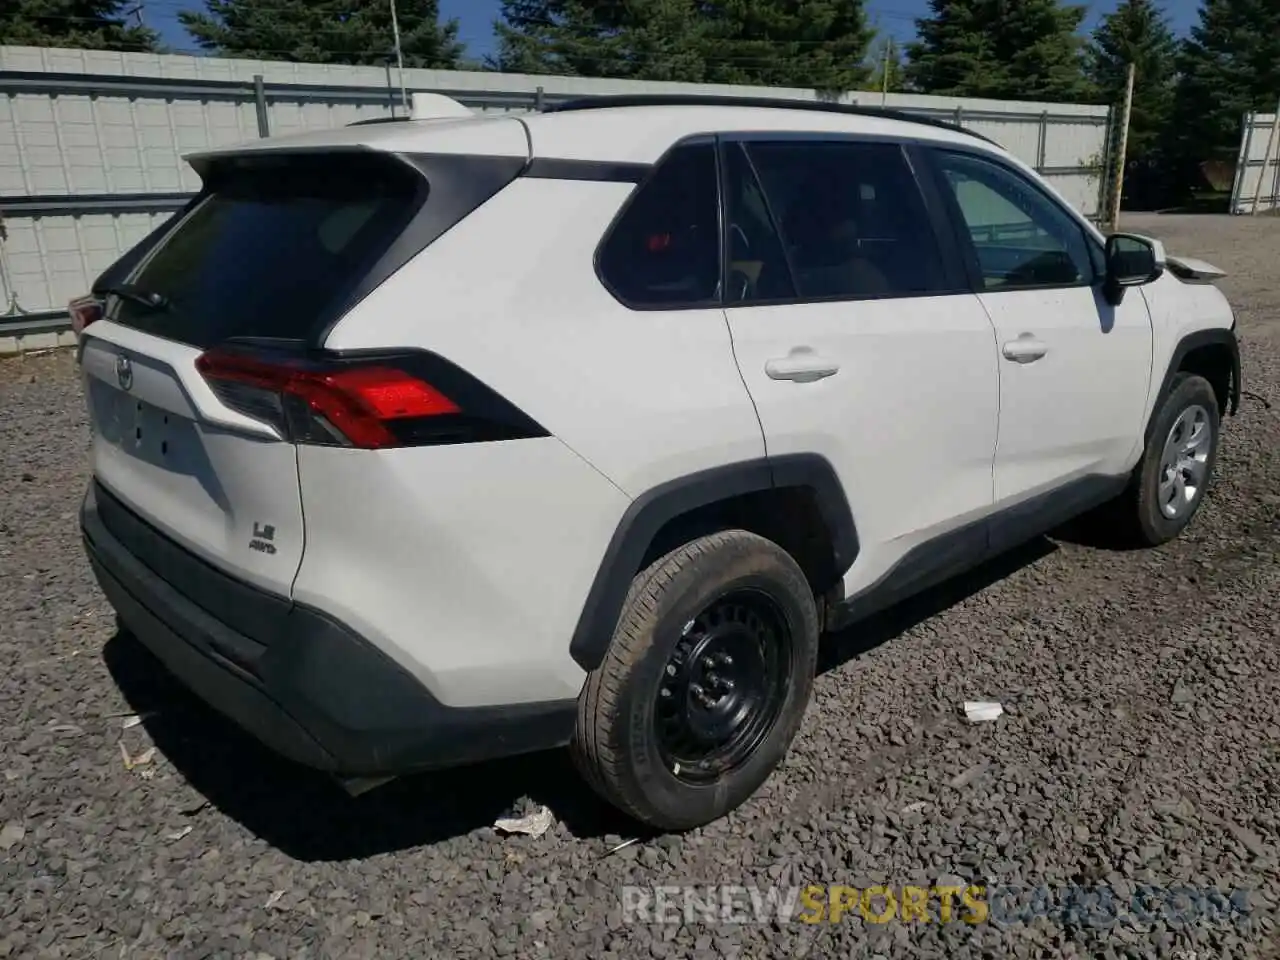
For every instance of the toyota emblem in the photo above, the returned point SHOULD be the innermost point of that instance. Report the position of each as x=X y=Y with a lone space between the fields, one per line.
x=124 y=372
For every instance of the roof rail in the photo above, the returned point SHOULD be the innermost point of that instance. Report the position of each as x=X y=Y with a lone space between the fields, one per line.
x=709 y=100
x=362 y=123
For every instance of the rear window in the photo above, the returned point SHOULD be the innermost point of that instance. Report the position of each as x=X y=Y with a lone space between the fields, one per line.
x=275 y=247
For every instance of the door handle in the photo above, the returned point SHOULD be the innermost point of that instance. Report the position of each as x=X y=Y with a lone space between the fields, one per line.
x=1026 y=349
x=801 y=365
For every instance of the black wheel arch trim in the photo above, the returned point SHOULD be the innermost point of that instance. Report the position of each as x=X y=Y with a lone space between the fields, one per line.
x=1223 y=336
x=652 y=510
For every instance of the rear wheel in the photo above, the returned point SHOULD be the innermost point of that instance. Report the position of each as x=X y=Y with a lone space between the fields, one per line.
x=705 y=682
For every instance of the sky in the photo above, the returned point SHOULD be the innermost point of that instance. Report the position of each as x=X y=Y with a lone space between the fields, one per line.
x=475 y=18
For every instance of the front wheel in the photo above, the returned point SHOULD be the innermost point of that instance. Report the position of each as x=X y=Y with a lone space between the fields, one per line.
x=705 y=682
x=1170 y=480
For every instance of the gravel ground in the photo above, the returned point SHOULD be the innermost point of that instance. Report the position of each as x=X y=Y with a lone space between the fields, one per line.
x=1141 y=744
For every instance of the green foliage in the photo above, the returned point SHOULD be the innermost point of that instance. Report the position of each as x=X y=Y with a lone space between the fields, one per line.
x=1230 y=65
x=83 y=24
x=813 y=44
x=325 y=31
x=1005 y=49
x=642 y=40
x=1136 y=33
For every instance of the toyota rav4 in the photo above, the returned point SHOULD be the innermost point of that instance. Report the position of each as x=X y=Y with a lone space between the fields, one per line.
x=424 y=442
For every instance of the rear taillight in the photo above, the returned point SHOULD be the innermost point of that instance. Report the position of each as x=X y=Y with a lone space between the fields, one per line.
x=408 y=400
x=84 y=311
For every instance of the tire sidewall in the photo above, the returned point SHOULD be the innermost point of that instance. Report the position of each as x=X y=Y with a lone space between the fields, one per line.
x=673 y=801
x=1187 y=392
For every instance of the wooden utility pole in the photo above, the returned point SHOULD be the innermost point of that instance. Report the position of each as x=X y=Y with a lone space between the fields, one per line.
x=1266 y=159
x=1122 y=150
x=884 y=80
x=395 y=34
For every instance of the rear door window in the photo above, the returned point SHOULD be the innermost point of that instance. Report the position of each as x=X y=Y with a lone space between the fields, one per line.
x=852 y=219
x=275 y=245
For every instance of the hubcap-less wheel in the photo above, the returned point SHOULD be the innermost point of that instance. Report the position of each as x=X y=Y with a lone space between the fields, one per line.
x=1184 y=465
x=723 y=687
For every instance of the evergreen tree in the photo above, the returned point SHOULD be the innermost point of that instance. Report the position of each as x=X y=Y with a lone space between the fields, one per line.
x=1006 y=49
x=325 y=31
x=1230 y=64
x=641 y=39
x=87 y=24
x=814 y=44
x=1136 y=32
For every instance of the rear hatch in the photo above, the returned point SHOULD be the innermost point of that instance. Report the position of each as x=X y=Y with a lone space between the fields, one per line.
x=186 y=431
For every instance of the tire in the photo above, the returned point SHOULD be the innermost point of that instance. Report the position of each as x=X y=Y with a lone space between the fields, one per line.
x=730 y=591
x=1142 y=509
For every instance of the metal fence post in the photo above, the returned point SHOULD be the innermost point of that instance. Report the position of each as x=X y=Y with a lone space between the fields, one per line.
x=1043 y=143
x=959 y=116
x=539 y=100
x=1242 y=165
x=260 y=100
x=1275 y=186
x=1266 y=157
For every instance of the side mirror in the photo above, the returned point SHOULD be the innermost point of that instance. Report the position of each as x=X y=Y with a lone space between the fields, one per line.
x=1131 y=261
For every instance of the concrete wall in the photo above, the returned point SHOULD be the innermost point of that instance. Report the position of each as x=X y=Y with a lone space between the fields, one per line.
x=91 y=142
x=1257 y=170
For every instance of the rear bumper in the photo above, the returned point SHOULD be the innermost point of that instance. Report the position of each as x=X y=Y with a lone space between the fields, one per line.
x=302 y=683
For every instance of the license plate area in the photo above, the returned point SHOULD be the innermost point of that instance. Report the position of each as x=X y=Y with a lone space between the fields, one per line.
x=140 y=429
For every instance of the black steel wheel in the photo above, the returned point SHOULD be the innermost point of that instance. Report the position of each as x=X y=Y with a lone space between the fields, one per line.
x=726 y=682
x=705 y=682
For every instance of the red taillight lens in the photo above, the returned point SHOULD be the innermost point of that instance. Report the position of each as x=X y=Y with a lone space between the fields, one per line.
x=358 y=405
x=84 y=311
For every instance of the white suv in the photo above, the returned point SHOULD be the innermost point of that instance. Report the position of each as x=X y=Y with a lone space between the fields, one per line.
x=424 y=442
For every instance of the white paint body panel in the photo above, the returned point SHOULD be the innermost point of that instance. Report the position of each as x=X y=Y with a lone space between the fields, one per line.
x=482 y=136
x=1177 y=310
x=1076 y=410
x=202 y=474
x=468 y=564
x=909 y=422
x=510 y=295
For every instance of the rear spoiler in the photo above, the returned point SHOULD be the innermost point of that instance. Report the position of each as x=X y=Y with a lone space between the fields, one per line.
x=1191 y=270
x=424 y=106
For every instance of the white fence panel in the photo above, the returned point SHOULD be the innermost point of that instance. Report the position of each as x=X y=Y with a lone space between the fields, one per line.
x=51 y=259
x=1257 y=182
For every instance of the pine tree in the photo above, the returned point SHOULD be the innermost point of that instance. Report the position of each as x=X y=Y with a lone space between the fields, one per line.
x=813 y=44
x=1230 y=64
x=325 y=31
x=641 y=39
x=1006 y=49
x=88 y=24
x=1136 y=33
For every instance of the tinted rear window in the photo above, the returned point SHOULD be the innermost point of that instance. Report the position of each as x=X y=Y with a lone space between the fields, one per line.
x=276 y=245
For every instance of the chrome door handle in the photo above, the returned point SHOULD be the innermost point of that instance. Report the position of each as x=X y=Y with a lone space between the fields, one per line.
x=1026 y=349
x=801 y=365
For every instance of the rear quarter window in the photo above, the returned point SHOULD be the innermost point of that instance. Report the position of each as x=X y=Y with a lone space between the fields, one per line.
x=274 y=247
x=663 y=251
